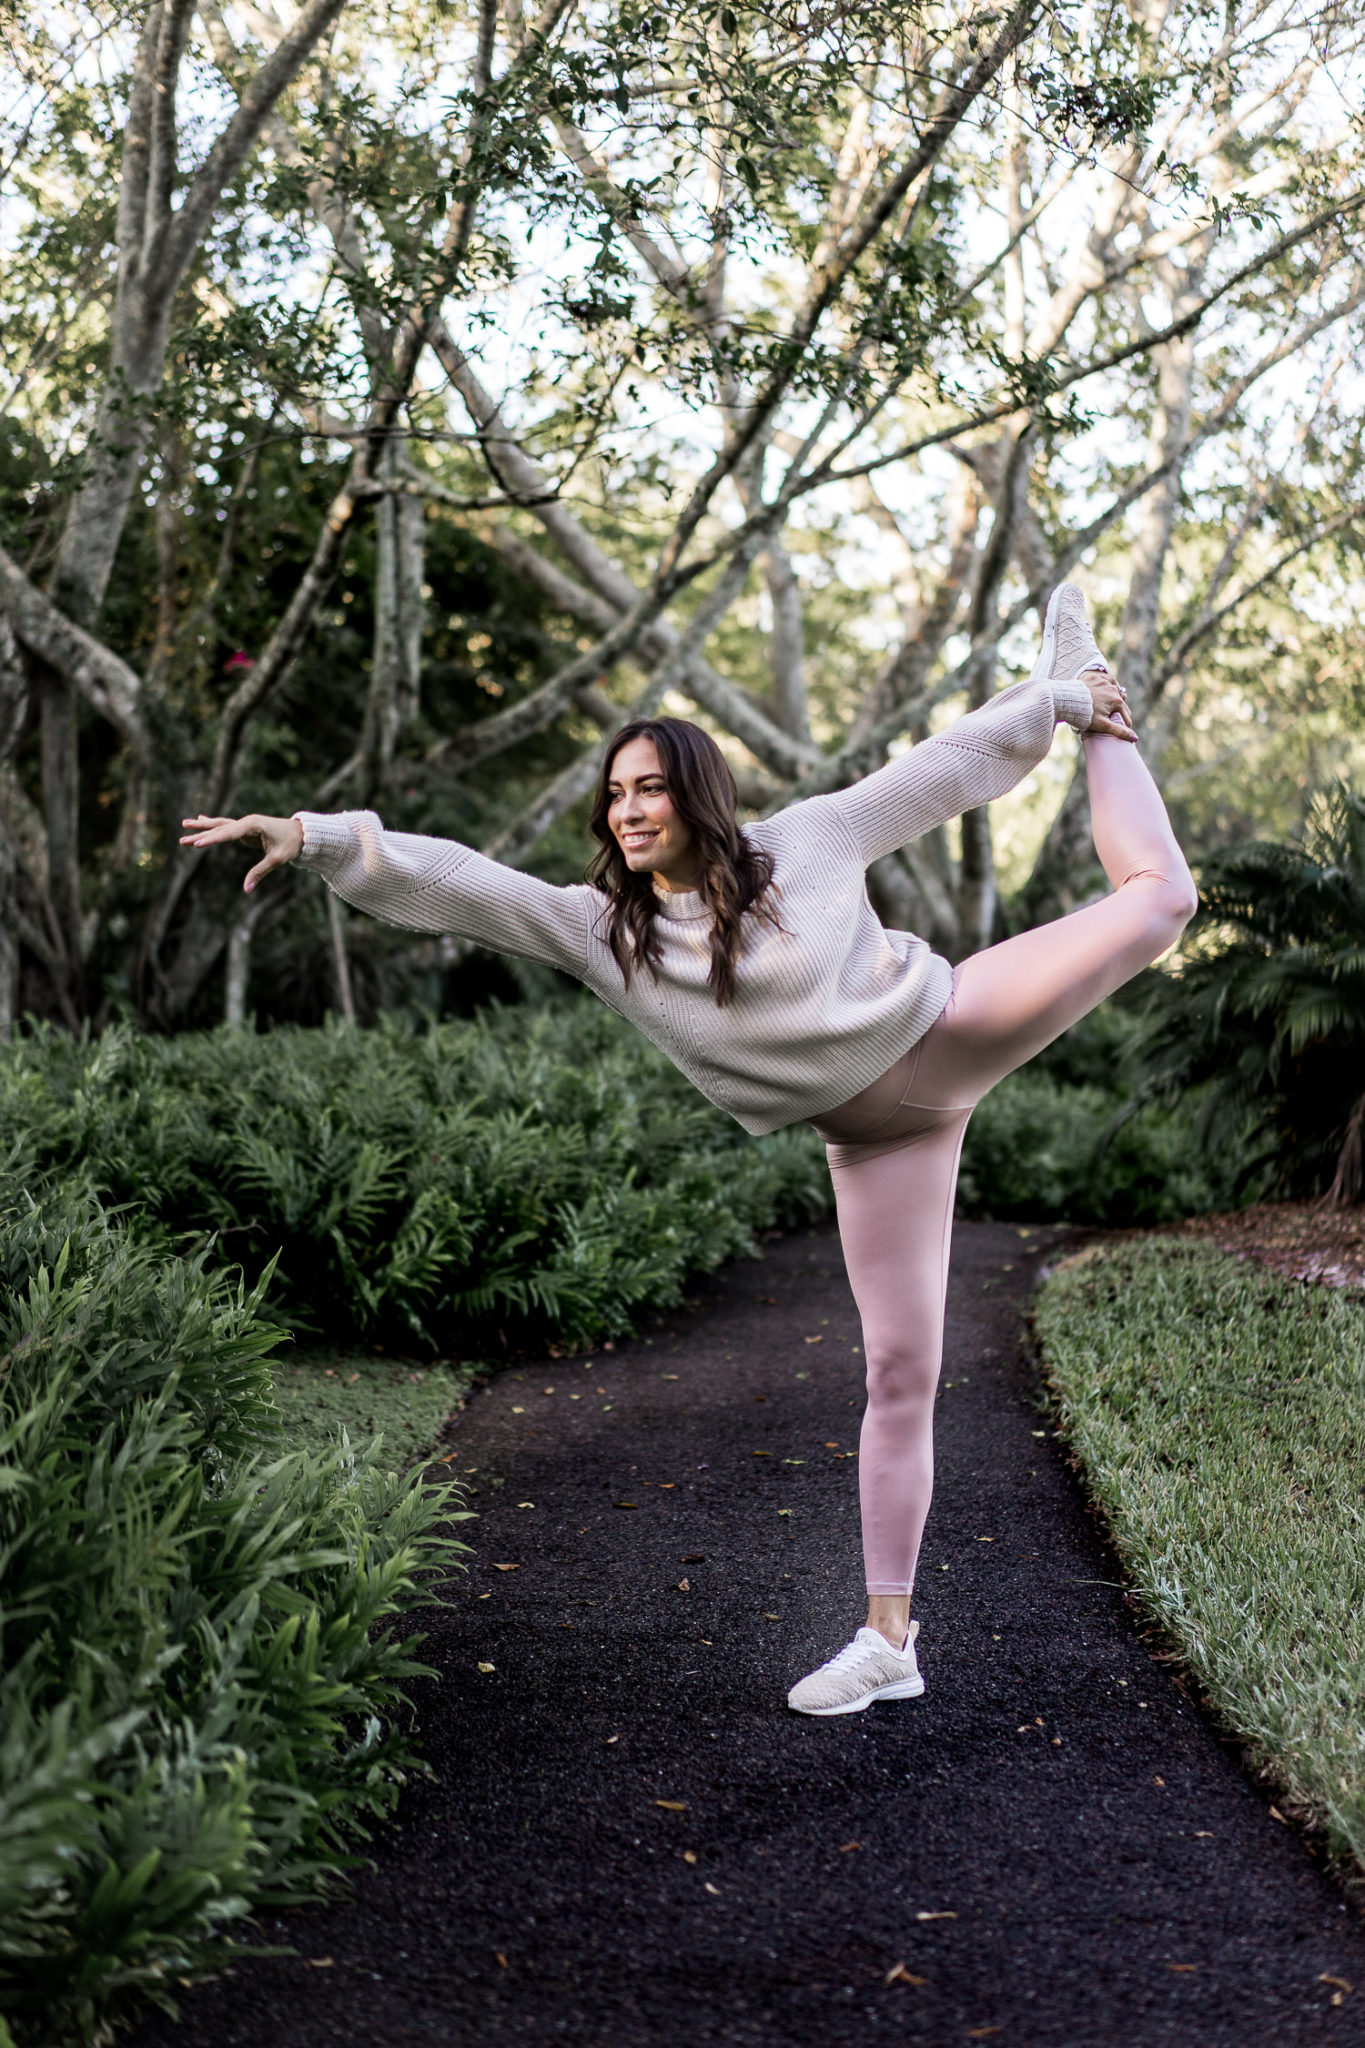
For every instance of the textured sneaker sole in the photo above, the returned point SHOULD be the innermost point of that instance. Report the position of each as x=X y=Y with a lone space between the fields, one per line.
x=904 y=1689
x=1047 y=654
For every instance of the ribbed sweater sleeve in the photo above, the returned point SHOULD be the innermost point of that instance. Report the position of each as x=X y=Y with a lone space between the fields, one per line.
x=438 y=885
x=969 y=763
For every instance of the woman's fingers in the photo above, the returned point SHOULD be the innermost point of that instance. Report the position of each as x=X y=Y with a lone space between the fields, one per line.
x=1112 y=715
x=275 y=856
x=216 y=831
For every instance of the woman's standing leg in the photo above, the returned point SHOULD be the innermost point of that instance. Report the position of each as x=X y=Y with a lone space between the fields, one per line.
x=895 y=1208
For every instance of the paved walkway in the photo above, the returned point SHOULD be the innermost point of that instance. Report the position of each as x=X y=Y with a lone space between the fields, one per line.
x=632 y=1844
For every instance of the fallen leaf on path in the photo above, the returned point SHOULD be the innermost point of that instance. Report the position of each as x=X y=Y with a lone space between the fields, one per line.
x=1203 y=1834
x=900 y=1975
x=609 y=1741
x=980 y=2033
x=793 y=1461
x=1275 y=1814
x=844 y=1847
x=525 y=1503
x=503 y=1963
x=665 y=1485
x=693 y=1557
x=672 y=1805
x=518 y=1411
x=1056 y=1741
x=626 y=1503
x=1183 y=1969
x=1158 y=1781
x=784 y=1511
x=1340 y=1982
x=684 y=1586
x=488 y=1667
x=833 y=1445
x=936 y=1916
x=714 y=1890
x=507 y=1567
x=689 y=1855
x=760 y=1454
x=772 y=1617
x=321 y=1963
x=985 y=1539
x=813 y=1340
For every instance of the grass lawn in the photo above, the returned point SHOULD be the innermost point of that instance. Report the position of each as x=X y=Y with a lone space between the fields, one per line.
x=1219 y=1412
x=401 y=1402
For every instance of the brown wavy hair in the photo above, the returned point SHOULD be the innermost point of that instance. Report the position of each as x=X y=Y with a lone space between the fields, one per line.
x=735 y=876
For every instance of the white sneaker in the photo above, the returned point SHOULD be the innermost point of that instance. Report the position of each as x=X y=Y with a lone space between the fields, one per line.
x=1069 y=647
x=864 y=1670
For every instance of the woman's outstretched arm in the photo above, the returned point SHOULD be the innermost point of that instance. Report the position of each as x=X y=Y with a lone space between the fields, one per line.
x=426 y=885
x=972 y=761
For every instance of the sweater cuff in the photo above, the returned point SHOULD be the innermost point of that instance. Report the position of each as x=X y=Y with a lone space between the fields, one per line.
x=1074 y=703
x=327 y=840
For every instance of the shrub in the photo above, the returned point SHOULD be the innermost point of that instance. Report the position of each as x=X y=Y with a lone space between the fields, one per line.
x=524 y=1175
x=200 y=1691
x=1266 y=1015
x=1040 y=1148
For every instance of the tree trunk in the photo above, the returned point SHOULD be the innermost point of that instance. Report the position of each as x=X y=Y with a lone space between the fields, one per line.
x=396 y=676
x=57 y=703
x=1067 y=871
x=976 y=892
x=238 y=972
x=341 y=966
x=788 y=647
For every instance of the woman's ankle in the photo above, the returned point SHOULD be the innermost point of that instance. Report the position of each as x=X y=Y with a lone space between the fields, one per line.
x=889 y=1614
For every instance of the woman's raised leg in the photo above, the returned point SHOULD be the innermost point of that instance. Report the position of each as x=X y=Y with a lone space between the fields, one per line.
x=1013 y=999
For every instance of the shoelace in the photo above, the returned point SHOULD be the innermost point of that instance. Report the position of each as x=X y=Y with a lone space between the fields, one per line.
x=852 y=1653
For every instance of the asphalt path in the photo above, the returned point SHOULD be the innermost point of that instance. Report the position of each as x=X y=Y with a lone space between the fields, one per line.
x=631 y=1842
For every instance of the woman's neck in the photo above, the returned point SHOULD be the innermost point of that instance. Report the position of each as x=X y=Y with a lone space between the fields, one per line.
x=676 y=881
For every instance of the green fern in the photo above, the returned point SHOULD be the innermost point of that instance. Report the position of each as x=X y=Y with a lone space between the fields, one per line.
x=525 y=1176
x=1266 y=1012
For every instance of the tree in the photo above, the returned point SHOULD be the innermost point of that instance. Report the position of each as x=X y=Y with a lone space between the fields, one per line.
x=670 y=316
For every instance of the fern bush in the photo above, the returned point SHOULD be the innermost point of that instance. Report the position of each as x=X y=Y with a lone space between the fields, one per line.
x=1265 y=1019
x=200 y=1682
x=473 y=1185
x=1041 y=1148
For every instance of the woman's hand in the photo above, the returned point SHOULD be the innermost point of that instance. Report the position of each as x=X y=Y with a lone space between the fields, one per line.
x=282 y=839
x=1110 y=699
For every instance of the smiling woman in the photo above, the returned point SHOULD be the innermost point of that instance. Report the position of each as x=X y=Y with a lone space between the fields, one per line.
x=665 y=817
x=753 y=958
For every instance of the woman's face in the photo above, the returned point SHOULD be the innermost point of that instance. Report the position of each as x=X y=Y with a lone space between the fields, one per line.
x=651 y=835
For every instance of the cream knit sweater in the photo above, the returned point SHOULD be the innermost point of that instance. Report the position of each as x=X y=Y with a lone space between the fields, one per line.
x=823 y=1007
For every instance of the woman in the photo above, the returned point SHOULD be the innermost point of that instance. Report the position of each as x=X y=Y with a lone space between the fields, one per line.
x=754 y=959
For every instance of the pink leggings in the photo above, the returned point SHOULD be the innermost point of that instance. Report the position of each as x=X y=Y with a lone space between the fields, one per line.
x=894 y=1149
